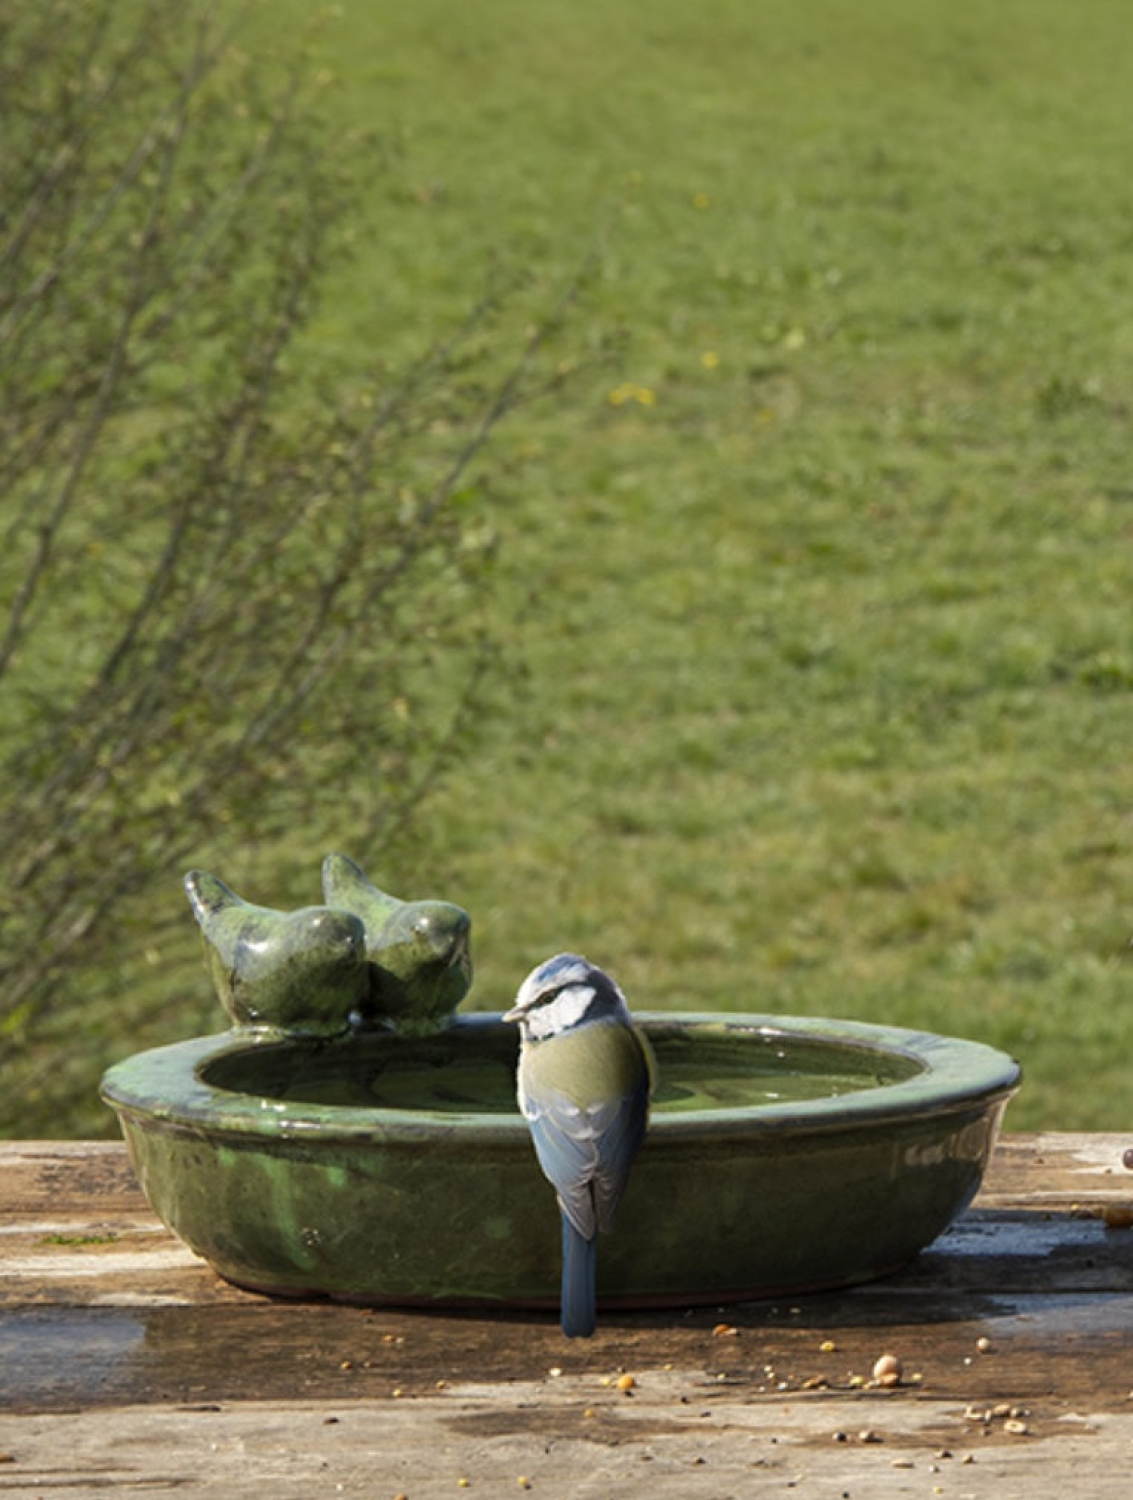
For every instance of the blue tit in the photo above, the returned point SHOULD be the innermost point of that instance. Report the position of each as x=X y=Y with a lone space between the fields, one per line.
x=584 y=1080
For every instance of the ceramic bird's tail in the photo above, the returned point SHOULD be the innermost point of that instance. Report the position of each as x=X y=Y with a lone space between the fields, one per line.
x=580 y=1259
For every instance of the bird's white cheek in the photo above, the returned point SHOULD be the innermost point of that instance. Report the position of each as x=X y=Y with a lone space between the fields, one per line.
x=567 y=1009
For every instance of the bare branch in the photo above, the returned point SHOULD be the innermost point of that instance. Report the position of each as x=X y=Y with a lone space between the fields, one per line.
x=217 y=571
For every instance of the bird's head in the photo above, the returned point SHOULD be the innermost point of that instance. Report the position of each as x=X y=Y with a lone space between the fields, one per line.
x=565 y=992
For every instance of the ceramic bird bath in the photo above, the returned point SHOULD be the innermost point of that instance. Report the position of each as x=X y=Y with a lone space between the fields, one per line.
x=371 y=1149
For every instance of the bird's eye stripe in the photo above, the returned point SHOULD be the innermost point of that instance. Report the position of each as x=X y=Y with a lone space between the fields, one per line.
x=547 y=996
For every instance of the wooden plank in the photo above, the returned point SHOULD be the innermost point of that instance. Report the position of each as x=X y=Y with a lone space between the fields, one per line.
x=83 y=1179
x=125 y=1363
x=1049 y=1170
x=570 y=1438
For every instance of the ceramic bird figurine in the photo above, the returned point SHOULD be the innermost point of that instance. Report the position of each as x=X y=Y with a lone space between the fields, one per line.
x=303 y=972
x=419 y=952
x=584 y=1080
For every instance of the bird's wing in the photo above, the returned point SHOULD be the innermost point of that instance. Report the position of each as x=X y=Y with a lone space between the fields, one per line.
x=568 y=1154
x=619 y=1129
x=585 y=1145
x=586 y=1153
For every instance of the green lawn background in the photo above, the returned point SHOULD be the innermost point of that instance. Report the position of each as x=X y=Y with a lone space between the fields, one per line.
x=817 y=605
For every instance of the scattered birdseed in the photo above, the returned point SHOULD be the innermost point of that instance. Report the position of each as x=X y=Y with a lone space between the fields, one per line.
x=725 y=1331
x=983 y=1345
x=998 y=1413
x=828 y=1346
x=626 y=1383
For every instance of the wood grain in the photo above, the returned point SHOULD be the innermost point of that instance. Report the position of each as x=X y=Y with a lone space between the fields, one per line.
x=126 y=1364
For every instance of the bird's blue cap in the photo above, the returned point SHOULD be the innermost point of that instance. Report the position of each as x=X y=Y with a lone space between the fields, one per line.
x=553 y=974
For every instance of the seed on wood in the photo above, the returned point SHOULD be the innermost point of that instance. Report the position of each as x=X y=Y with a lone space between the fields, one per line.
x=887 y=1370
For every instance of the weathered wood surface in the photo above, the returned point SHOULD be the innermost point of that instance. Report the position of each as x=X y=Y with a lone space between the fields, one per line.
x=126 y=1365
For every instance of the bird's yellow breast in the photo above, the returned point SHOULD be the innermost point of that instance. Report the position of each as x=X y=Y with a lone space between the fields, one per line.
x=592 y=1063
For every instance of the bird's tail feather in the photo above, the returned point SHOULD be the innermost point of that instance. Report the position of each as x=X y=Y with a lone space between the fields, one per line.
x=580 y=1259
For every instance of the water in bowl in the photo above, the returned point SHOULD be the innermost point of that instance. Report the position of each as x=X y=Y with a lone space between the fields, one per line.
x=714 y=1068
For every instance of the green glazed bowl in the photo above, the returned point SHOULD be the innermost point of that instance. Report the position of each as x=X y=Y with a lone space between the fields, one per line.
x=783 y=1155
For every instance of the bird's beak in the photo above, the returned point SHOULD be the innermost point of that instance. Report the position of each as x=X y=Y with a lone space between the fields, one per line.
x=515 y=1014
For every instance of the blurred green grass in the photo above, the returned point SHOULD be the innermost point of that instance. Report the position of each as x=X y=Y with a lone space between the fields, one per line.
x=822 y=598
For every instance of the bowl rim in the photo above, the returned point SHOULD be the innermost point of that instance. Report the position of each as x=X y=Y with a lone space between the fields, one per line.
x=165 y=1087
